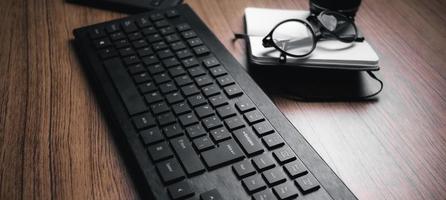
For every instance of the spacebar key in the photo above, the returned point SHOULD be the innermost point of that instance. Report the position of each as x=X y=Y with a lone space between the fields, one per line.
x=227 y=153
x=133 y=101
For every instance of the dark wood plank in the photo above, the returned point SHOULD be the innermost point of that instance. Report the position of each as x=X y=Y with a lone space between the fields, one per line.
x=54 y=142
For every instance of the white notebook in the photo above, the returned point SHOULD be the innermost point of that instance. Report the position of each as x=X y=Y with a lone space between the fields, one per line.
x=328 y=54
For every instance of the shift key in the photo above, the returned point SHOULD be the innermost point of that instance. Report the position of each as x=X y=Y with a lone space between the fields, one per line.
x=227 y=153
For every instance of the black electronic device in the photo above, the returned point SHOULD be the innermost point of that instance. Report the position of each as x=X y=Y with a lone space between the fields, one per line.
x=129 y=6
x=192 y=122
x=346 y=7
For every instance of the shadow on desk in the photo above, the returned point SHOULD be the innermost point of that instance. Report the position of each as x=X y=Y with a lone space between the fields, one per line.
x=305 y=84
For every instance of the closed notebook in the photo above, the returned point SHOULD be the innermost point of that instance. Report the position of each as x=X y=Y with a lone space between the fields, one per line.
x=330 y=54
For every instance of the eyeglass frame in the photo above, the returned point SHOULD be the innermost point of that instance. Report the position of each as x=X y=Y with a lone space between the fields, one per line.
x=267 y=41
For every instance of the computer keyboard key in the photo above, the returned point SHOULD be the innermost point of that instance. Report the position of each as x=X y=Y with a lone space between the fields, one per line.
x=96 y=33
x=121 y=43
x=143 y=121
x=181 y=54
x=143 y=22
x=180 y=46
x=284 y=155
x=153 y=97
x=274 y=176
x=183 y=80
x=194 y=42
x=226 y=111
x=161 y=23
x=195 y=131
x=196 y=71
x=211 y=195
x=183 y=27
x=263 y=162
x=181 y=108
x=218 y=100
x=203 y=143
x=201 y=50
x=188 y=34
x=173 y=130
x=180 y=190
x=136 y=69
x=189 y=62
x=226 y=153
x=127 y=51
x=177 y=71
x=264 y=195
x=172 y=38
x=129 y=26
x=188 y=119
x=243 y=169
x=167 y=87
x=167 y=30
x=159 y=107
x=166 y=119
x=150 y=60
x=112 y=27
x=233 y=91
x=273 y=141
x=160 y=46
x=108 y=53
x=138 y=44
x=254 y=184
x=166 y=53
x=155 y=68
x=248 y=141
x=156 y=16
x=196 y=100
x=263 y=128
x=125 y=86
x=151 y=135
x=245 y=105
x=225 y=80
x=235 y=122
x=172 y=13
x=211 y=62
x=160 y=151
x=134 y=36
x=161 y=78
x=154 y=38
x=149 y=30
x=286 y=191
x=189 y=90
x=142 y=78
x=295 y=169
x=117 y=36
x=307 y=184
x=174 y=97
x=210 y=90
x=171 y=62
x=218 y=71
x=204 y=111
x=102 y=43
x=253 y=117
x=187 y=155
x=212 y=122
x=220 y=134
x=147 y=87
x=203 y=80
x=170 y=171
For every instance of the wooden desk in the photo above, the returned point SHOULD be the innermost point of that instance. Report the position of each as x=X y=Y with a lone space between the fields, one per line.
x=54 y=142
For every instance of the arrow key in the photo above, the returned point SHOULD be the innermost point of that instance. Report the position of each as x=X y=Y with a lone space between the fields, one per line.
x=180 y=190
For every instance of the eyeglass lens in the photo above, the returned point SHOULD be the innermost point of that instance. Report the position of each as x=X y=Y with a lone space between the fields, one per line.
x=338 y=25
x=293 y=37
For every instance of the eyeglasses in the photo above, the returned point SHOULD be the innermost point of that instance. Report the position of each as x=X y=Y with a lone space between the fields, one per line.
x=298 y=38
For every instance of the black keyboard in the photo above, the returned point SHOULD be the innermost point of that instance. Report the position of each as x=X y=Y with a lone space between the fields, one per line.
x=195 y=125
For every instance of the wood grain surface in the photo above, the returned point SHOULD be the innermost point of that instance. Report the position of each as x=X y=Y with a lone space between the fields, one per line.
x=55 y=144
